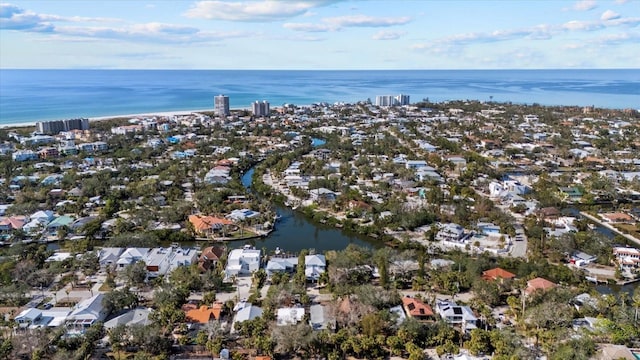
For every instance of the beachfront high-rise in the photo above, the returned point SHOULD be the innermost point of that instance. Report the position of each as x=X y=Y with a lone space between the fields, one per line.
x=56 y=126
x=221 y=105
x=390 y=100
x=260 y=108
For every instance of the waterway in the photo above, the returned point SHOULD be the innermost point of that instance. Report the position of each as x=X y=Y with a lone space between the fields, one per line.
x=295 y=232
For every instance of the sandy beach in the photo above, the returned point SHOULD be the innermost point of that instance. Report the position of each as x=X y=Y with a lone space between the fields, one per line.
x=100 y=118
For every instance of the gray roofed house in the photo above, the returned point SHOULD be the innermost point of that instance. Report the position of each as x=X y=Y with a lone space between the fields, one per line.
x=86 y=313
x=109 y=256
x=281 y=265
x=317 y=319
x=132 y=317
x=248 y=312
x=314 y=266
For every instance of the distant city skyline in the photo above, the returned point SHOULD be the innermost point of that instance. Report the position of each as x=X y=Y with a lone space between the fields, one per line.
x=319 y=34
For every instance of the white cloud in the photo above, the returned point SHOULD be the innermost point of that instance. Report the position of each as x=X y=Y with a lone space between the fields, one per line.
x=309 y=27
x=620 y=2
x=340 y=22
x=13 y=17
x=620 y=38
x=267 y=10
x=366 y=21
x=609 y=15
x=584 y=5
x=576 y=25
x=388 y=35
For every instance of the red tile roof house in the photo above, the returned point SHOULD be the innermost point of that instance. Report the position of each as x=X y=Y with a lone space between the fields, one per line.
x=417 y=309
x=539 y=283
x=497 y=274
x=617 y=217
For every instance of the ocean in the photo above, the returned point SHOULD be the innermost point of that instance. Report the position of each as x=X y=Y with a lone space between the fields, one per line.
x=27 y=96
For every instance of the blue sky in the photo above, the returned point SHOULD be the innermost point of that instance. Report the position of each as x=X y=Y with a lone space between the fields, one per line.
x=267 y=34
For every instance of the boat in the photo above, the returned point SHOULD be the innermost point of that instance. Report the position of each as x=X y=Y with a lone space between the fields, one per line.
x=278 y=251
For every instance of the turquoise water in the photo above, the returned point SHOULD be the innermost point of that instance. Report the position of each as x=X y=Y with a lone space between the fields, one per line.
x=34 y=95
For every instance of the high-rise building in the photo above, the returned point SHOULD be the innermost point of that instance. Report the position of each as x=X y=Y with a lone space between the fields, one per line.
x=56 y=126
x=260 y=108
x=402 y=99
x=385 y=100
x=221 y=105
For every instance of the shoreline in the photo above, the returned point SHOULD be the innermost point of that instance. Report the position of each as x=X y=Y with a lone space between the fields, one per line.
x=109 y=117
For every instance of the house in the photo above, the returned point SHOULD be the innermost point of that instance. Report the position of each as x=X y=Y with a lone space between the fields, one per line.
x=281 y=265
x=627 y=257
x=417 y=309
x=204 y=313
x=157 y=261
x=242 y=262
x=246 y=313
x=33 y=318
x=317 y=318
x=454 y=314
x=210 y=257
x=86 y=313
x=450 y=232
x=314 y=265
x=617 y=217
x=497 y=274
x=538 y=284
x=131 y=256
x=205 y=225
x=580 y=259
x=12 y=223
x=182 y=257
x=614 y=352
x=55 y=225
x=108 y=256
x=322 y=194
x=138 y=316
x=289 y=316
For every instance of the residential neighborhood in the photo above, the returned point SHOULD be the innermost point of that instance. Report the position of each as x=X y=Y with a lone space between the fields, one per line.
x=465 y=230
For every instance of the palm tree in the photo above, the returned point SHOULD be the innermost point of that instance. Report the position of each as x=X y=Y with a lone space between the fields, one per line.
x=635 y=298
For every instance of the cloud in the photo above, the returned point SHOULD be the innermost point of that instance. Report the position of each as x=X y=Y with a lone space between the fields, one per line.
x=366 y=21
x=388 y=35
x=620 y=2
x=340 y=22
x=309 y=27
x=617 y=39
x=538 y=32
x=13 y=17
x=251 y=11
x=609 y=15
x=584 y=5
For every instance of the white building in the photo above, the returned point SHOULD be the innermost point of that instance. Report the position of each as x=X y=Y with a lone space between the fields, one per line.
x=242 y=262
x=314 y=266
x=86 y=313
x=260 y=108
x=221 y=105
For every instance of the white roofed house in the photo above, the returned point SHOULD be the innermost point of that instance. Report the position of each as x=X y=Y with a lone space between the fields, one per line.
x=455 y=314
x=158 y=261
x=130 y=257
x=314 y=266
x=242 y=262
x=182 y=257
x=289 y=316
x=281 y=265
x=86 y=313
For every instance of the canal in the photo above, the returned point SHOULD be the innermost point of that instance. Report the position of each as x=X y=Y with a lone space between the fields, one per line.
x=294 y=232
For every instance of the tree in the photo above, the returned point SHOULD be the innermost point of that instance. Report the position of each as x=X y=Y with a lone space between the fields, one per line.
x=136 y=274
x=480 y=342
x=636 y=302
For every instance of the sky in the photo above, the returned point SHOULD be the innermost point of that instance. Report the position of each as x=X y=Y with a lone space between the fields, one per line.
x=317 y=34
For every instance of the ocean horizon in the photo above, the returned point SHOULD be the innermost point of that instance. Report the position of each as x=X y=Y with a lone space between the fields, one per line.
x=28 y=95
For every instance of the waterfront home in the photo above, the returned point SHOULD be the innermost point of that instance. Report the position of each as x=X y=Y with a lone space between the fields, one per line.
x=242 y=262
x=281 y=265
x=108 y=256
x=131 y=256
x=86 y=313
x=617 y=217
x=581 y=259
x=157 y=261
x=55 y=225
x=12 y=223
x=315 y=265
x=417 y=309
x=206 y=225
x=322 y=195
x=210 y=257
x=182 y=257
x=627 y=257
